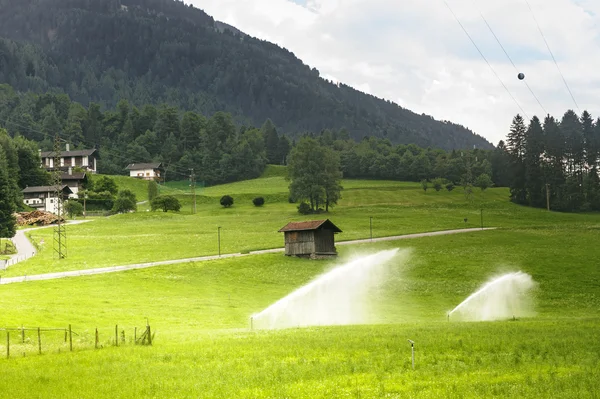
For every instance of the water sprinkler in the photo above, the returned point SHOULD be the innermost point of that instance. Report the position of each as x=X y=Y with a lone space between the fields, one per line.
x=251 y=322
x=412 y=345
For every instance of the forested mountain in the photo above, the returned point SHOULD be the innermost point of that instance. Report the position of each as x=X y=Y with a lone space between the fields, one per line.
x=163 y=51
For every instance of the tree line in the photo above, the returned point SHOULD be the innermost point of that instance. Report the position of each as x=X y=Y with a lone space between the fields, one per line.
x=555 y=162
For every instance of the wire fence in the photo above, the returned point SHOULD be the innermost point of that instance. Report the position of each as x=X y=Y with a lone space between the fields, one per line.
x=5 y=264
x=29 y=341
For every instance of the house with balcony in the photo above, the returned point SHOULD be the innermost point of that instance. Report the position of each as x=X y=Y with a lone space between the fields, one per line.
x=84 y=159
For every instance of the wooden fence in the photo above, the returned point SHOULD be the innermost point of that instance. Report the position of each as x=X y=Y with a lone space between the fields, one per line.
x=23 y=341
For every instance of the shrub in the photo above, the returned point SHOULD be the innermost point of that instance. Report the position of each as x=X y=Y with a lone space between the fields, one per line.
x=291 y=200
x=424 y=184
x=484 y=181
x=166 y=203
x=438 y=183
x=450 y=186
x=304 y=208
x=226 y=201
x=73 y=208
x=258 y=201
x=125 y=202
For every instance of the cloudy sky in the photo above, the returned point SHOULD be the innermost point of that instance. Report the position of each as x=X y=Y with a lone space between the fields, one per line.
x=415 y=53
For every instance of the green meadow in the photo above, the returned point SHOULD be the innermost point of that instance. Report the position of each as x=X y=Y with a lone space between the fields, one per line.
x=204 y=348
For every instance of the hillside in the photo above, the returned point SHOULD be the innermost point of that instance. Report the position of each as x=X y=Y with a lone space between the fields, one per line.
x=155 y=51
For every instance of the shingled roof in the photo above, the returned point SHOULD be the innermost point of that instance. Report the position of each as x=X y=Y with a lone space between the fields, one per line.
x=45 y=189
x=141 y=166
x=310 y=225
x=76 y=153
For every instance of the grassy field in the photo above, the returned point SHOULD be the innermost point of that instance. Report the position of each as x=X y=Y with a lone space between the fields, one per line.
x=396 y=208
x=200 y=311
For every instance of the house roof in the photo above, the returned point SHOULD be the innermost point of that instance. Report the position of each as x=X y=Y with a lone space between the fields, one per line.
x=140 y=166
x=310 y=225
x=75 y=153
x=45 y=189
x=73 y=176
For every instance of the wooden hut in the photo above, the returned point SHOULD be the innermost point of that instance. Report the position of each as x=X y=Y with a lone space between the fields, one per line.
x=312 y=239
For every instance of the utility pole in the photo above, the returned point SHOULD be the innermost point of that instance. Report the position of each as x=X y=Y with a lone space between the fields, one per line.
x=193 y=188
x=548 y=196
x=60 y=232
x=371 y=227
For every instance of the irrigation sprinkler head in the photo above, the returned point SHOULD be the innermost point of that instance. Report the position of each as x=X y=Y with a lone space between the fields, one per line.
x=411 y=342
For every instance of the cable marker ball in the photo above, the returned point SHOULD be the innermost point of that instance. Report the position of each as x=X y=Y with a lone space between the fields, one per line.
x=521 y=76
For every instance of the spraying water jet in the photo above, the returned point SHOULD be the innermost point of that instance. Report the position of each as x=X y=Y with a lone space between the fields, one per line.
x=499 y=299
x=340 y=296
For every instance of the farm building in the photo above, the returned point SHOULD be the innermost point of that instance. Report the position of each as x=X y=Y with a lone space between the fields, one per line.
x=313 y=239
x=145 y=171
x=44 y=197
x=84 y=159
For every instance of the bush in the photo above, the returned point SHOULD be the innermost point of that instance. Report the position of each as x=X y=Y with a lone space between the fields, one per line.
x=226 y=201
x=258 y=201
x=450 y=186
x=484 y=181
x=166 y=203
x=291 y=200
x=424 y=184
x=304 y=208
x=125 y=202
x=73 y=208
x=438 y=183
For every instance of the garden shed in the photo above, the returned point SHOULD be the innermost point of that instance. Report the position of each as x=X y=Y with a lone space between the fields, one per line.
x=313 y=239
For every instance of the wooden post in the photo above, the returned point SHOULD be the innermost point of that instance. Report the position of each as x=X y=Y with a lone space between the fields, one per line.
x=135 y=335
x=40 y=340
x=117 y=335
x=70 y=338
x=7 y=344
x=65 y=335
x=548 y=196
x=22 y=334
x=149 y=335
x=96 y=337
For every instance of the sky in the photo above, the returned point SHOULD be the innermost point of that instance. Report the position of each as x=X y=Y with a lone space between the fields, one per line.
x=415 y=53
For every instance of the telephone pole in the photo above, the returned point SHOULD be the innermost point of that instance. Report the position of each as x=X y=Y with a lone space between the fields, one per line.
x=60 y=232
x=193 y=187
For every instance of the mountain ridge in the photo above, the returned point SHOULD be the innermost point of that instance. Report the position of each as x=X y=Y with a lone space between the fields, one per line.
x=155 y=51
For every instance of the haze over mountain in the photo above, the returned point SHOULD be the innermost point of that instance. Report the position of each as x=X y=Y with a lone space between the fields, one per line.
x=155 y=51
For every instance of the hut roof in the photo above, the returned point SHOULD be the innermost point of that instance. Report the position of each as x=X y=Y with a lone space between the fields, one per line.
x=310 y=225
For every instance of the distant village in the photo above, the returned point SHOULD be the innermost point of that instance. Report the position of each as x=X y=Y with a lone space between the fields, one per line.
x=75 y=168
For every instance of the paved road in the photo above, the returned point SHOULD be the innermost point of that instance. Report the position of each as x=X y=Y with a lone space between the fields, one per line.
x=25 y=248
x=112 y=269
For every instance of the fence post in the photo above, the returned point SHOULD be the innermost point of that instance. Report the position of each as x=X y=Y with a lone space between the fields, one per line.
x=117 y=335
x=22 y=334
x=135 y=335
x=70 y=339
x=7 y=344
x=40 y=340
x=96 y=337
x=149 y=335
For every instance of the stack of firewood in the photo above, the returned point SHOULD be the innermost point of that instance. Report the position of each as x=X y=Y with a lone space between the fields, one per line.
x=36 y=218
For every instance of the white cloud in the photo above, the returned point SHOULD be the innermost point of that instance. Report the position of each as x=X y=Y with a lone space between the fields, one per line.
x=415 y=53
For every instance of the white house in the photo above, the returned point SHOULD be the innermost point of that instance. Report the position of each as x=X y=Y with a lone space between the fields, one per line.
x=44 y=197
x=85 y=159
x=146 y=171
x=75 y=181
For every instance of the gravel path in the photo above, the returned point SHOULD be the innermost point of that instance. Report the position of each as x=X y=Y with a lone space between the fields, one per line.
x=112 y=269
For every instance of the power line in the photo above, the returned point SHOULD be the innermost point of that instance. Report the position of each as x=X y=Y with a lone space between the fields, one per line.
x=510 y=59
x=485 y=59
x=550 y=51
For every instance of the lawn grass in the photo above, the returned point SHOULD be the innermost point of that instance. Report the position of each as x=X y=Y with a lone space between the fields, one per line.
x=200 y=311
x=203 y=347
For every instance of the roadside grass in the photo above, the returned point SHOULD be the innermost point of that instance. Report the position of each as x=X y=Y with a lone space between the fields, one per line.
x=203 y=347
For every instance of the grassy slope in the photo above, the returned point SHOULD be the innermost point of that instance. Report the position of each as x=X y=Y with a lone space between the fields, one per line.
x=396 y=208
x=200 y=311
